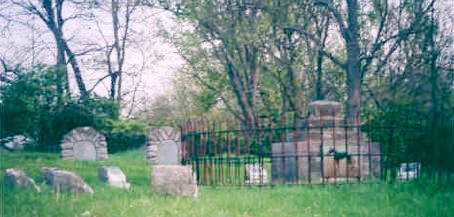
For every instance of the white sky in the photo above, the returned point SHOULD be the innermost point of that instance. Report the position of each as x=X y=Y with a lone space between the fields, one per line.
x=155 y=58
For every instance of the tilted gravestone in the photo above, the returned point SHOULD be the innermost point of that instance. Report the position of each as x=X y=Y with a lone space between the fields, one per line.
x=65 y=181
x=163 y=146
x=84 y=143
x=17 y=178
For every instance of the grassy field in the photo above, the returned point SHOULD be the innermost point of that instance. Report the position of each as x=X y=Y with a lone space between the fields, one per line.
x=415 y=199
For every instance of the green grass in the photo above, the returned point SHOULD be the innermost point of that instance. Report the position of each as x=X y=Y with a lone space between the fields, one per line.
x=415 y=199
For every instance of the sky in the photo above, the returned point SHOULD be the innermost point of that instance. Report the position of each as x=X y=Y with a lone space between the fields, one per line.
x=152 y=59
x=151 y=54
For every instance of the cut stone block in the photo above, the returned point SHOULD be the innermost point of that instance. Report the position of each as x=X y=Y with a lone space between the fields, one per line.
x=174 y=180
x=113 y=176
x=65 y=181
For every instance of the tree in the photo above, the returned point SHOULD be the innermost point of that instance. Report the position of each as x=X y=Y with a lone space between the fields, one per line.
x=362 y=48
x=51 y=13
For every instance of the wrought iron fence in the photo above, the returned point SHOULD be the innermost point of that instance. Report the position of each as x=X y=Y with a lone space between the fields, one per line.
x=321 y=150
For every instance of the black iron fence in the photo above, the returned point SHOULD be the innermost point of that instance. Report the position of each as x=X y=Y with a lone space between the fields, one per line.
x=322 y=150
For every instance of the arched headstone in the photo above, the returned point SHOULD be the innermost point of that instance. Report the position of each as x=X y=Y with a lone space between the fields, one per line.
x=84 y=143
x=163 y=146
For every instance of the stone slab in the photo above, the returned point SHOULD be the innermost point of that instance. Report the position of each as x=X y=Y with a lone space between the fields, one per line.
x=174 y=180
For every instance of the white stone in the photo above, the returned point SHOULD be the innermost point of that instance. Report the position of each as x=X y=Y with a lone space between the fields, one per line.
x=255 y=174
x=113 y=176
x=16 y=143
x=409 y=171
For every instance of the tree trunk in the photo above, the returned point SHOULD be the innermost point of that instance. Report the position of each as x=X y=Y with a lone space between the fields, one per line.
x=353 y=63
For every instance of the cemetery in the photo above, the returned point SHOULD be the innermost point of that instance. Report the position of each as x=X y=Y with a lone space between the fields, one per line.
x=221 y=108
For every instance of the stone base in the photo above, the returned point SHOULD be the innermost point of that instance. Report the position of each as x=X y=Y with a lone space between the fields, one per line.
x=174 y=180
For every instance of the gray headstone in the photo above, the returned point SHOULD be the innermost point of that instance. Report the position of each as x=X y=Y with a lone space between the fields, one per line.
x=84 y=143
x=168 y=153
x=163 y=146
x=84 y=150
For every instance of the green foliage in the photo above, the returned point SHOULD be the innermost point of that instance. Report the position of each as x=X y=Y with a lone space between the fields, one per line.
x=408 y=135
x=125 y=134
x=32 y=105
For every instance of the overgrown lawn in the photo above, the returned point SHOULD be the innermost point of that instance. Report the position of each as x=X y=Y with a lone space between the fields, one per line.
x=416 y=199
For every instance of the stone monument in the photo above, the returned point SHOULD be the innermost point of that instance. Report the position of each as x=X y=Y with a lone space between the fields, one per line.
x=84 y=143
x=325 y=150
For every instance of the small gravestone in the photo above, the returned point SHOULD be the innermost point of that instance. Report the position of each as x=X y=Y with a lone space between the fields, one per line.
x=163 y=146
x=174 y=180
x=409 y=171
x=84 y=143
x=17 y=178
x=113 y=176
x=255 y=174
x=65 y=181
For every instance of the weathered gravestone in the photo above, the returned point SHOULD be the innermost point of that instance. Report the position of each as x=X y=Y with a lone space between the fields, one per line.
x=65 y=181
x=174 y=180
x=84 y=143
x=167 y=175
x=17 y=178
x=16 y=143
x=113 y=176
x=309 y=154
x=255 y=174
x=163 y=146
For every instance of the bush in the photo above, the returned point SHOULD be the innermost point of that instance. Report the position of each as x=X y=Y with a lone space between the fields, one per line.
x=33 y=106
x=125 y=134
